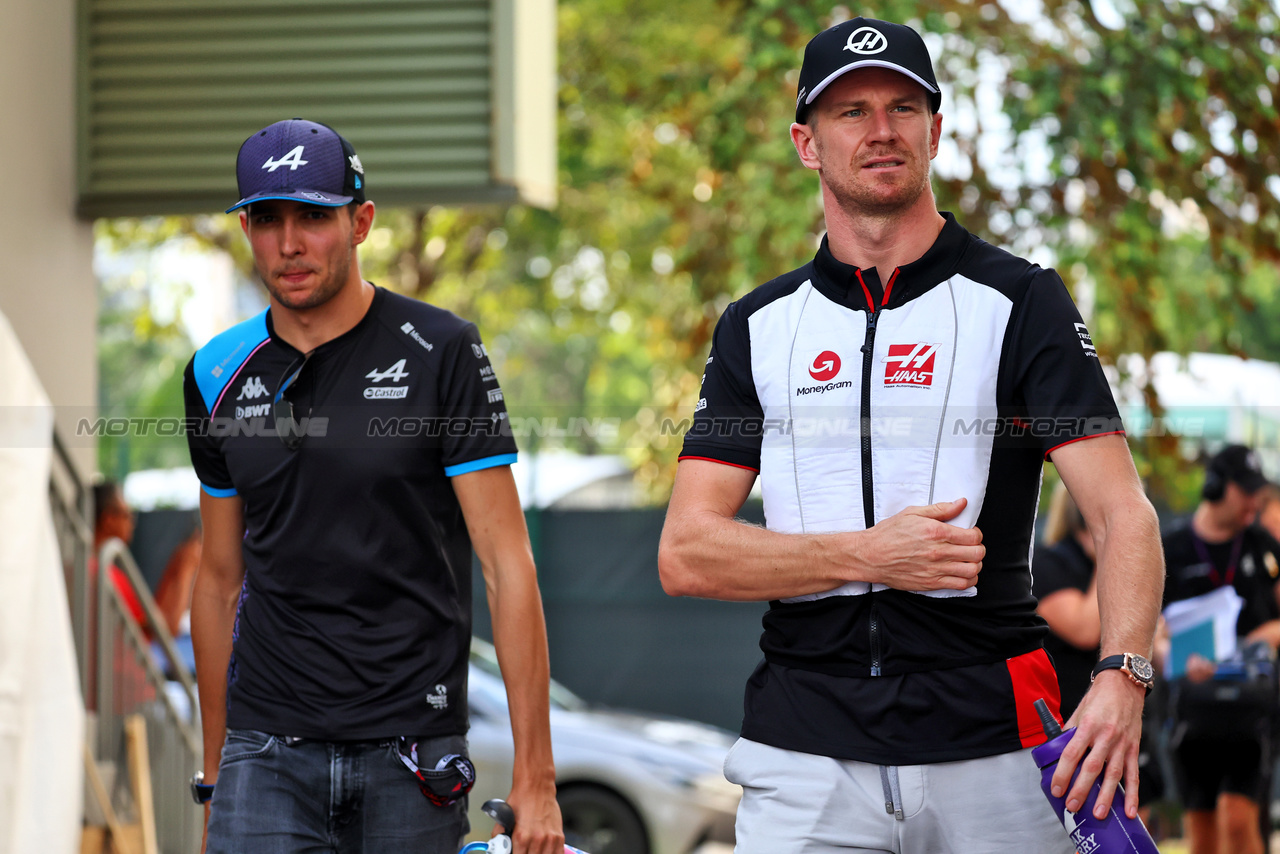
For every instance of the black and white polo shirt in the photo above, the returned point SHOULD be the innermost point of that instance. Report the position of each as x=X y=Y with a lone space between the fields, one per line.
x=853 y=401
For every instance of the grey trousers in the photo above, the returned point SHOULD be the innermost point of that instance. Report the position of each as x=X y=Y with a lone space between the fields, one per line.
x=806 y=804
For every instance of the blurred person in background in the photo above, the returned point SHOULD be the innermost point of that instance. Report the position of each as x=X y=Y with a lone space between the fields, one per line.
x=1065 y=581
x=112 y=519
x=1269 y=515
x=1221 y=748
x=173 y=591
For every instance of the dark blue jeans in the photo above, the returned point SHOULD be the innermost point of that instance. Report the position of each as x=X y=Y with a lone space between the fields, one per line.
x=281 y=796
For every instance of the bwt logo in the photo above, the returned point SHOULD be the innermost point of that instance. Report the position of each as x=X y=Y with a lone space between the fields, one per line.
x=825 y=366
x=909 y=365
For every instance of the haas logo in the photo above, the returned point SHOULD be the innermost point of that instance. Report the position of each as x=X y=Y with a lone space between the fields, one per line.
x=909 y=365
x=825 y=366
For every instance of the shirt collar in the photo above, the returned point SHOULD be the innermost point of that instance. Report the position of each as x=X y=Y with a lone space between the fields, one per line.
x=840 y=282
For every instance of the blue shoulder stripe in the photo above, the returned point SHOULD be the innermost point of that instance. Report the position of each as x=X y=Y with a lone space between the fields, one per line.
x=216 y=363
x=477 y=465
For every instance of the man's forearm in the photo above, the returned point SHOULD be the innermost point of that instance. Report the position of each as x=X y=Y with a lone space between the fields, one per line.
x=520 y=637
x=712 y=557
x=1130 y=579
x=212 y=619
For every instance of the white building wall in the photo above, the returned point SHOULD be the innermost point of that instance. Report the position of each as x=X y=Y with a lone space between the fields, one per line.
x=47 y=287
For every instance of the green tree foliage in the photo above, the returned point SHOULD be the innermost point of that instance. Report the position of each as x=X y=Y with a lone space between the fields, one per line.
x=1136 y=141
x=140 y=359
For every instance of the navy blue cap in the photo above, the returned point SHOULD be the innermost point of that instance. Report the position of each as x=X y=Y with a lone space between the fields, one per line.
x=863 y=43
x=299 y=161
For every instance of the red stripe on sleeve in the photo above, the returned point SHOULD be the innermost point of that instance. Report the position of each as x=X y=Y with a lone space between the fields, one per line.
x=1033 y=678
x=721 y=462
x=1081 y=439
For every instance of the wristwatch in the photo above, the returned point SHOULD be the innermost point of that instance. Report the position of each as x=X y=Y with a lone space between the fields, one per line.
x=1135 y=666
x=200 y=793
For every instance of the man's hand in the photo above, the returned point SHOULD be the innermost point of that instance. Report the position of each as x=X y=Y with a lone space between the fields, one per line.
x=538 y=823
x=1108 y=725
x=915 y=549
x=1199 y=668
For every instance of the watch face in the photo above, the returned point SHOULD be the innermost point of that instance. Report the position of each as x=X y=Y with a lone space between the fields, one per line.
x=1141 y=668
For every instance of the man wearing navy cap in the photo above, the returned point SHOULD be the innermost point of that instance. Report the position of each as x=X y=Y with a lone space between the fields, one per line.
x=353 y=447
x=897 y=397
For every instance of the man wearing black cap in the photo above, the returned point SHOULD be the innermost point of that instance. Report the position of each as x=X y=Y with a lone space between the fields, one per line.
x=897 y=397
x=1222 y=748
x=352 y=447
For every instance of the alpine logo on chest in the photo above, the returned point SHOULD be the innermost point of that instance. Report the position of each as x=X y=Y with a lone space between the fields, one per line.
x=910 y=365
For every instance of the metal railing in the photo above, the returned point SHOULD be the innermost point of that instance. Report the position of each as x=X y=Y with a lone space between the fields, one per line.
x=131 y=680
x=120 y=672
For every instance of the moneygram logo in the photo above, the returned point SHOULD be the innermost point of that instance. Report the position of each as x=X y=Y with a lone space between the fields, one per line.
x=825 y=366
x=909 y=365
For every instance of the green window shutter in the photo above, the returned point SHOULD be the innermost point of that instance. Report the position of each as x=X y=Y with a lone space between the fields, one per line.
x=425 y=90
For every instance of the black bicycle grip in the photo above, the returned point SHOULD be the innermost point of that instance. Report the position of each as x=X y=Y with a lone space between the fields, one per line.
x=501 y=812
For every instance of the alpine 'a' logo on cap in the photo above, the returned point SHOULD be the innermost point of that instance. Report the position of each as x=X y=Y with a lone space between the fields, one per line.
x=825 y=366
x=909 y=364
x=293 y=160
x=866 y=40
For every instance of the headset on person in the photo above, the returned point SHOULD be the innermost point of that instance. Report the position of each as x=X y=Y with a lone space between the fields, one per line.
x=1215 y=482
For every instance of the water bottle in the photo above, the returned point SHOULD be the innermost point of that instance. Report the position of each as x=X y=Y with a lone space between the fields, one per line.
x=1115 y=834
x=501 y=812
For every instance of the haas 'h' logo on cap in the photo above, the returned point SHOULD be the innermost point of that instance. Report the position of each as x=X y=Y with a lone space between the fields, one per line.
x=866 y=40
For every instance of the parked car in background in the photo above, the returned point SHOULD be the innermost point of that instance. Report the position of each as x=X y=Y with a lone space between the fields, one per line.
x=627 y=783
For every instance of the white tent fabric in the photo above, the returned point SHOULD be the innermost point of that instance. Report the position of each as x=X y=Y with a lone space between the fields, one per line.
x=41 y=711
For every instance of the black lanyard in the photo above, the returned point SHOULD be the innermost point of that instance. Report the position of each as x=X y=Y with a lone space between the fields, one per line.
x=1202 y=551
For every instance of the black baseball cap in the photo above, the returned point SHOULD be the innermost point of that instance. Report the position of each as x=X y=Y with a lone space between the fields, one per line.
x=863 y=43
x=1240 y=465
x=299 y=161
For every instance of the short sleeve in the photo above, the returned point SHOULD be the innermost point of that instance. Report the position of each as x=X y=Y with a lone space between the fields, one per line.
x=478 y=433
x=1057 y=376
x=206 y=455
x=726 y=426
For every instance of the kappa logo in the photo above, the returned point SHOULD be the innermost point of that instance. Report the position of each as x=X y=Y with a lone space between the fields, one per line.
x=356 y=165
x=395 y=373
x=909 y=365
x=1086 y=341
x=866 y=40
x=440 y=699
x=253 y=388
x=825 y=366
x=293 y=160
